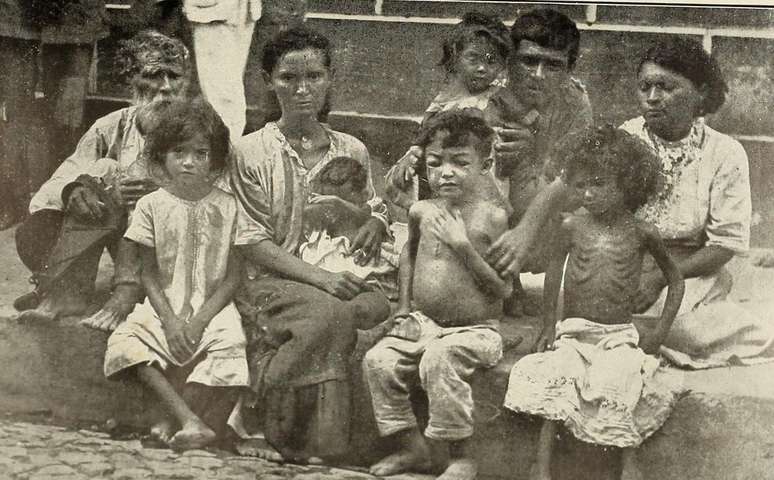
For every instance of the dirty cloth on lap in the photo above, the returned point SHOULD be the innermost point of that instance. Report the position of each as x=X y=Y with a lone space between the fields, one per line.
x=596 y=382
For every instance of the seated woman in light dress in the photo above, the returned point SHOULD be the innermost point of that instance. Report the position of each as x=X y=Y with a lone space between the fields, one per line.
x=702 y=211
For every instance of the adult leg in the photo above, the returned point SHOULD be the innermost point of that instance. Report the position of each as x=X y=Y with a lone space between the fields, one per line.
x=35 y=238
x=221 y=71
x=369 y=309
x=390 y=369
x=445 y=368
x=127 y=290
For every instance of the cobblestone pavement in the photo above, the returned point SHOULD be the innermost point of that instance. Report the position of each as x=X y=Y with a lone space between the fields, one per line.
x=31 y=451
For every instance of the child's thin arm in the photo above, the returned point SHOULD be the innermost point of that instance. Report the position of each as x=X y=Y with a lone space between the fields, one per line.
x=220 y=298
x=180 y=348
x=552 y=283
x=408 y=258
x=150 y=282
x=675 y=286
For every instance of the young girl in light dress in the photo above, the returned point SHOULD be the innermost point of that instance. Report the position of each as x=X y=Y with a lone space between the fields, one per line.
x=185 y=342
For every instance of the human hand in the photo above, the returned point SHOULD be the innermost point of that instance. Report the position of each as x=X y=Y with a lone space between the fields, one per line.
x=651 y=285
x=193 y=331
x=133 y=190
x=449 y=228
x=400 y=175
x=343 y=285
x=545 y=340
x=181 y=347
x=508 y=252
x=368 y=241
x=85 y=204
x=515 y=144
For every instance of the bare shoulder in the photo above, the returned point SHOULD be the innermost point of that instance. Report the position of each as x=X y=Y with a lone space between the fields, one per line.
x=419 y=209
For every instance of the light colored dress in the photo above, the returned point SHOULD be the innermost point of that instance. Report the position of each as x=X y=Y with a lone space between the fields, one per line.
x=597 y=382
x=192 y=240
x=705 y=201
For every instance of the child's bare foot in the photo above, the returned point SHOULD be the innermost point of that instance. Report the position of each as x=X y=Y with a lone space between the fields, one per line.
x=115 y=310
x=162 y=431
x=403 y=460
x=192 y=436
x=250 y=449
x=460 y=469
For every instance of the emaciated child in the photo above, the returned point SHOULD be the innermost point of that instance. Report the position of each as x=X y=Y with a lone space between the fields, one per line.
x=446 y=325
x=594 y=372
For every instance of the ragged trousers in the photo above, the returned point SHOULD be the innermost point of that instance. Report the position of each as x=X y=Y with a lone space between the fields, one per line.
x=442 y=365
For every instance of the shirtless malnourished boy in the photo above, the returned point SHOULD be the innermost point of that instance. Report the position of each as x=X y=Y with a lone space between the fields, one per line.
x=593 y=372
x=446 y=325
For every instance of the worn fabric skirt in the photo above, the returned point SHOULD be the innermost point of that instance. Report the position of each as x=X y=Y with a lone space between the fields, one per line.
x=596 y=382
x=712 y=331
x=220 y=356
x=300 y=340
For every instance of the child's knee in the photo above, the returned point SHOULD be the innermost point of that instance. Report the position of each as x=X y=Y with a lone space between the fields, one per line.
x=378 y=361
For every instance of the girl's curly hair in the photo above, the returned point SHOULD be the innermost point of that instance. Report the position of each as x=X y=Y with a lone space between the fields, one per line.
x=165 y=124
x=475 y=25
x=612 y=151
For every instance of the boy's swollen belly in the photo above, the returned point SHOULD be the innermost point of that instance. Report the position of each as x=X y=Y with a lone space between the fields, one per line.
x=448 y=294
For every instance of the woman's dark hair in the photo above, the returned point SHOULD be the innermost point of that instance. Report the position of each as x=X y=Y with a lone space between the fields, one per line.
x=686 y=57
x=549 y=29
x=611 y=151
x=165 y=124
x=475 y=25
x=293 y=40
x=466 y=127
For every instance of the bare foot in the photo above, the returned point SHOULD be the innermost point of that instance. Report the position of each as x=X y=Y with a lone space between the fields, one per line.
x=250 y=449
x=115 y=310
x=460 y=469
x=162 y=431
x=192 y=436
x=401 y=461
x=28 y=301
x=55 y=306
